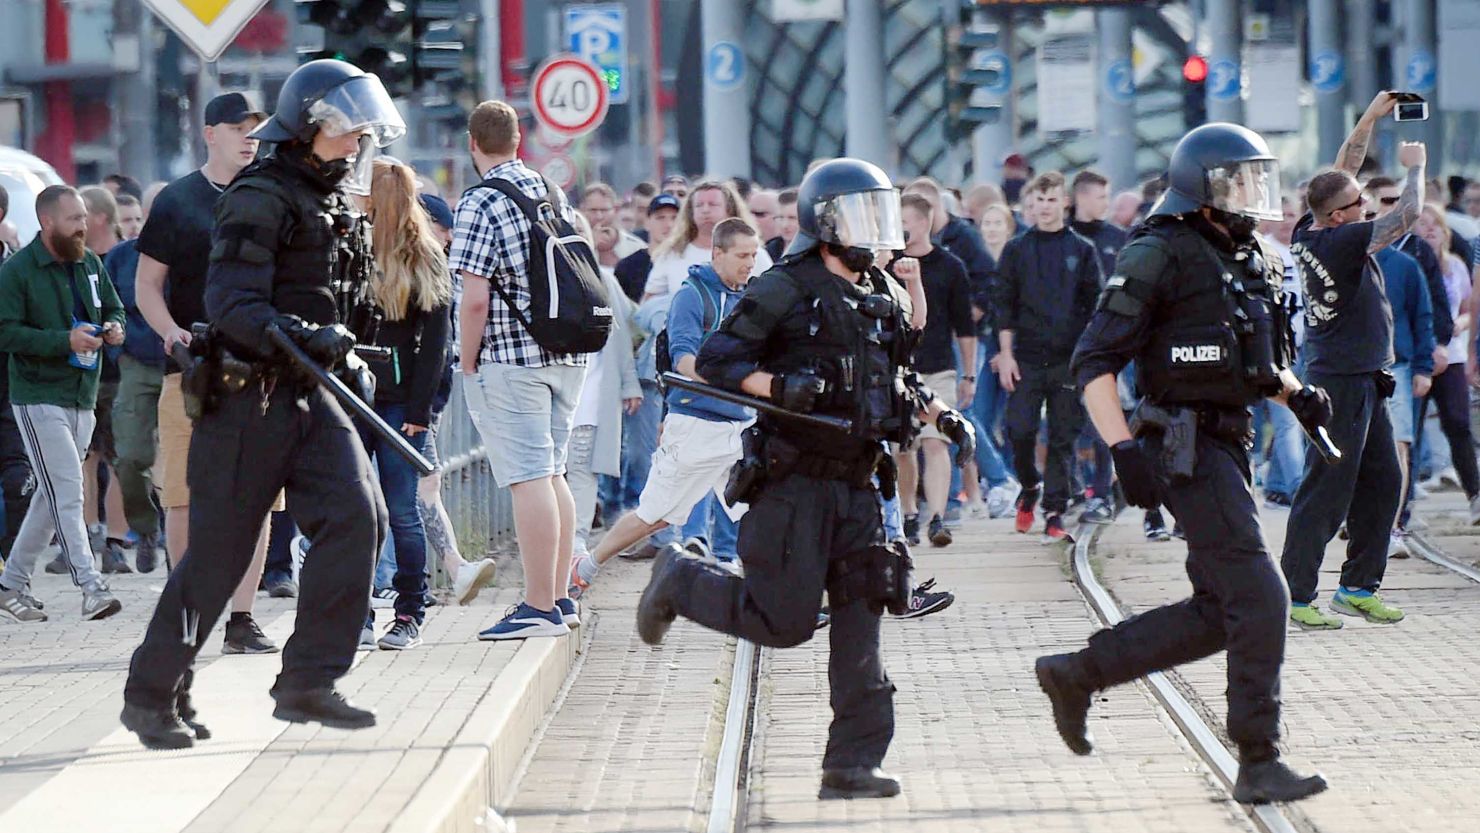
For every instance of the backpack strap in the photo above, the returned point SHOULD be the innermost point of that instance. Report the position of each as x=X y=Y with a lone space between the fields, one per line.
x=711 y=307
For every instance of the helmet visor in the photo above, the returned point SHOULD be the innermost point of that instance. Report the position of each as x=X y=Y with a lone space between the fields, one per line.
x=361 y=168
x=1250 y=188
x=865 y=219
x=359 y=105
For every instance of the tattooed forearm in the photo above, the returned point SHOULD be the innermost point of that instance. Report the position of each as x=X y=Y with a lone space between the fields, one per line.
x=1394 y=224
x=1354 y=150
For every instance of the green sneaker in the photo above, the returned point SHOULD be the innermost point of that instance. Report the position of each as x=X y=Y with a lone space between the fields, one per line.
x=1370 y=607
x=1310 y=618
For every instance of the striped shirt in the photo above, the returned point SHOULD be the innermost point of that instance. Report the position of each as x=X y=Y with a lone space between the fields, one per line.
x=490 y=239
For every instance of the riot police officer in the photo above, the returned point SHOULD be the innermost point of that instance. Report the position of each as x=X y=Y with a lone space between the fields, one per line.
x=287 y=242
x=1194 y=300
x=823 y=332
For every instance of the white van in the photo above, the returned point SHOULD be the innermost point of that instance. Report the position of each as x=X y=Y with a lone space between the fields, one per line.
x=24 y=176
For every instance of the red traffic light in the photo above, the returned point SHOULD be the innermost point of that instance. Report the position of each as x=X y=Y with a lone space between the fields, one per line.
x=1195 y=69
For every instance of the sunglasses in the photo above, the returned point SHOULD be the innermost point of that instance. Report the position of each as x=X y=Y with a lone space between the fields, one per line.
x=760 y=215
x=1353 y=204
x=1389 y=200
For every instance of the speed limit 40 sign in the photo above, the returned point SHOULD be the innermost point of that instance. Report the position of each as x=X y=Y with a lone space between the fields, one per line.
x=570 y=97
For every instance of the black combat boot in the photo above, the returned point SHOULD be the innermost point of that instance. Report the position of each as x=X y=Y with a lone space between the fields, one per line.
x=655 y=610
x=858 y=782
x=1263 y=778
x=156 y=728
x=1063 y=678
x=320 y=705
x=186 y=710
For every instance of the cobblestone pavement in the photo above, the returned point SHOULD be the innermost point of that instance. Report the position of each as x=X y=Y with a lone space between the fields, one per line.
x=632 y=747
x=61 y=689
x=1389 y=713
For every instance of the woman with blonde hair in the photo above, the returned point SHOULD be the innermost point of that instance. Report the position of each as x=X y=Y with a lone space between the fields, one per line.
x=1450 y=393
x=707 y=204
x=412 y=287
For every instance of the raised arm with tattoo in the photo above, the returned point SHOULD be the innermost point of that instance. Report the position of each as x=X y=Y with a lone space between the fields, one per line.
x=1389 y=227
x=1354 y=150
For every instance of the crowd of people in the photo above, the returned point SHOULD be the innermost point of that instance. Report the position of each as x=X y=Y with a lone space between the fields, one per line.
x=1000 y=283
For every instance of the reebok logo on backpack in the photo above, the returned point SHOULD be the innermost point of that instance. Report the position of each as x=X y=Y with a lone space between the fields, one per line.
x=569 y=311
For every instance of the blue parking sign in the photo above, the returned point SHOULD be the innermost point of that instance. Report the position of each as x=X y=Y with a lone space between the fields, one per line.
x=598 y=34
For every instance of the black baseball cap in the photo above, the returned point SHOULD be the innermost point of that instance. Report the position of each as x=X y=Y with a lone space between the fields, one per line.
x=232 y=108
x=437 y=207
x=663 y=201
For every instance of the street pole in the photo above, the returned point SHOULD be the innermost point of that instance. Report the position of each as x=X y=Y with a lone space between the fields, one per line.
x=1361 y=50
x=1418 y=73
x=639 y=45
x=489 y=56
x=726 y=107
x=1328 y=76
x=863 y=84
x=135 y=91
x=1226 y=65
x=1117 y=99
x=991 y=142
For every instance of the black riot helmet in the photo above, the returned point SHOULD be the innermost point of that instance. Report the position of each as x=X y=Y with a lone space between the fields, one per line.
x=849 y=203
x=336 y=97
x=1226 y=167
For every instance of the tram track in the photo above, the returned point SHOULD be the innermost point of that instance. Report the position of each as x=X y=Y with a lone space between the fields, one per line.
x=1268 y=818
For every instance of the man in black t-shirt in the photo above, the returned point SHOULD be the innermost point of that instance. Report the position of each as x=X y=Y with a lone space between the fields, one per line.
x=174 y=254
x=948 y=312
x=1348 y=350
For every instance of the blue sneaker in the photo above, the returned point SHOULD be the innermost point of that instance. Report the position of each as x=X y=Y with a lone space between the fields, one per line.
x=570 y=612
x=523 y=622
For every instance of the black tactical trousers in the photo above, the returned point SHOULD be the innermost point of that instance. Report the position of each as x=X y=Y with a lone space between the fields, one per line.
x=17 y=482
x=1362 y=489
x=1053 y=386
x=239 y=459
x=786 y=541
x=1239 y=602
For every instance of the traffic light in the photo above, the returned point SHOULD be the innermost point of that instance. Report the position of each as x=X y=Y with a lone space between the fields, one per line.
x=977 y=73
x=397 y=40
x=437 y=42
x=1194 y=91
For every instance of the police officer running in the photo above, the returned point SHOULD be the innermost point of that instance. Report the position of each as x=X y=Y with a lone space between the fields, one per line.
x=288 y=249
x=823 y=332
x=1194 y=300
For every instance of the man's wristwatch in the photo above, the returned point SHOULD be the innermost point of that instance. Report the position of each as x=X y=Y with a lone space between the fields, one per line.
x=968 y=378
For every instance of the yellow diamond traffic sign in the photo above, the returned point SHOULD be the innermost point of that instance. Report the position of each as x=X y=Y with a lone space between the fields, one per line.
x=207 y=26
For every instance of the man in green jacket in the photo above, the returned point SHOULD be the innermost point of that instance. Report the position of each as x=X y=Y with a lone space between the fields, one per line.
x=57 y=309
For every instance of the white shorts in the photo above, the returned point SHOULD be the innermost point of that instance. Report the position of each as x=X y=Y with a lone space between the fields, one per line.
x=695 y=456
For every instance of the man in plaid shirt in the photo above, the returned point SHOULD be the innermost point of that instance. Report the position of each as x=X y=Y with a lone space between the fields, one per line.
x=521 y=397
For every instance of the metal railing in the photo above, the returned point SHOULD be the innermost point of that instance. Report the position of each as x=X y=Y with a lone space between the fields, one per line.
x=481 y=513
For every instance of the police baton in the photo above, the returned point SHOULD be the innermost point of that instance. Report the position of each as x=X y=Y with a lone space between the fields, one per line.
x=347 y=398
x=765 y=406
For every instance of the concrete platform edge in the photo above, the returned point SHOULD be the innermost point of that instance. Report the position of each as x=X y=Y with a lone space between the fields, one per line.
x=477 y=772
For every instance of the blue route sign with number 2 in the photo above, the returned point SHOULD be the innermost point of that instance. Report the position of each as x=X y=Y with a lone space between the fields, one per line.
x=724 y=65
x=598 y=34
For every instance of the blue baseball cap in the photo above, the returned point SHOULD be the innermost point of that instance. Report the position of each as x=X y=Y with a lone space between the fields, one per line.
x=438 y=208
x=663 y=201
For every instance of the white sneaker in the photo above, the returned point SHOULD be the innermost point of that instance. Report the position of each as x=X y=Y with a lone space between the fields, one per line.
x=1450 y=477
x=732 y=566
x=471 y=578
x=367 y=639
x=383 y=598
x=1001 y=500
x=1419 y=492
x=1398 y=545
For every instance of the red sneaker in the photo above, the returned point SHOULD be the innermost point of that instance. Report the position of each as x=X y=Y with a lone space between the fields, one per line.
x=1053 y=529
x=1026 y=503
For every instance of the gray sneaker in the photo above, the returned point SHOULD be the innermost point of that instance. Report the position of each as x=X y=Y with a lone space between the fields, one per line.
x=99 y=603
x=402 y=635
x=367 y=639
x=17 y=606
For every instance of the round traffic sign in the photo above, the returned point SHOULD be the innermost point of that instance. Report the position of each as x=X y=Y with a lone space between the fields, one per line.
x=560 y=170
x=569 y=96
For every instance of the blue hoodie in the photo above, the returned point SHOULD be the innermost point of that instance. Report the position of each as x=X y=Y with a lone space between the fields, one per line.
x=1413 y=314
x=686 y=333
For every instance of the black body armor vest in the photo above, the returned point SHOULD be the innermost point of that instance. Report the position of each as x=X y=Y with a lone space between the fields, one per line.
x=323 y=264
x=1221 y=336
x=854 y=337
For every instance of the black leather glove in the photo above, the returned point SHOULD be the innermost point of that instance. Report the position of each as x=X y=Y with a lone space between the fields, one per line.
x=327 y=344
x=1139 y=479
x=797 y=392
x=961 y=432
x=1312 y=406
x=357 y=376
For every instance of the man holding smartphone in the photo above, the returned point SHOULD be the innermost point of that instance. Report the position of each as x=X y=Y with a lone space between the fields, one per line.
x=1349 y=352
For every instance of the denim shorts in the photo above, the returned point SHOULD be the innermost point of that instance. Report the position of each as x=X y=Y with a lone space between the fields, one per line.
x=1401 y=406
x=524 y=416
